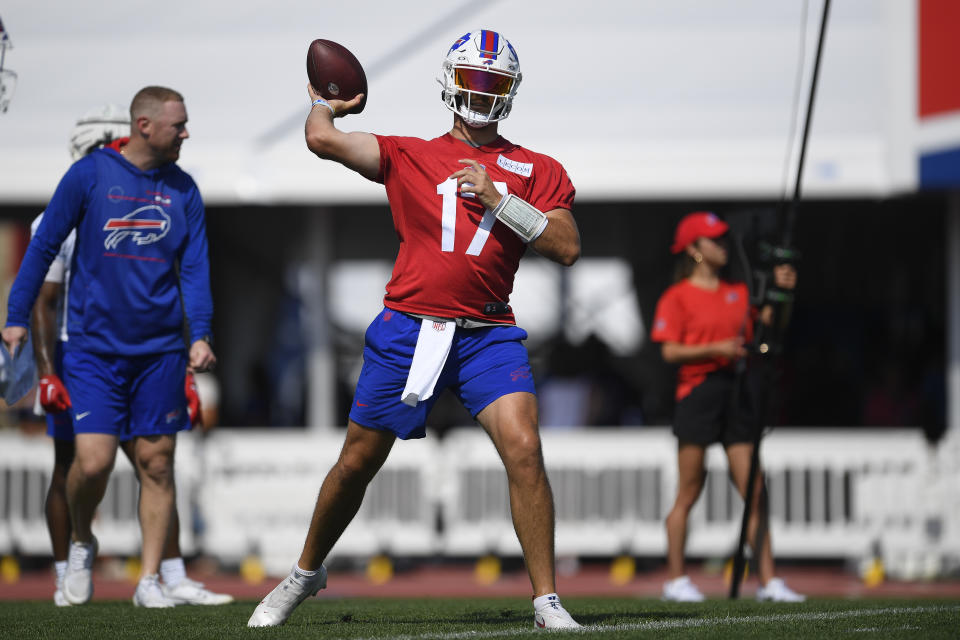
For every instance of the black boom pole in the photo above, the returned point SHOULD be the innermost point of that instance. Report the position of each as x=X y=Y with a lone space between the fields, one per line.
x=792 y=210
x=760 y=410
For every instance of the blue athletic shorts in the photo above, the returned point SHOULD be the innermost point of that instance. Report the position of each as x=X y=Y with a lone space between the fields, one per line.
x=484 y=364
x=60 y=425
x=127 y=397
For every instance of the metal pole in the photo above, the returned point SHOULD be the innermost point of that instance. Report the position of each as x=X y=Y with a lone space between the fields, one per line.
x=770 y=346
x=792 y=210
x=321 y=360
x=953 y=316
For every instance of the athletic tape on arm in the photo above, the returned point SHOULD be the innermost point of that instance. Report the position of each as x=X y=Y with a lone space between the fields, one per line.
x=523 y=218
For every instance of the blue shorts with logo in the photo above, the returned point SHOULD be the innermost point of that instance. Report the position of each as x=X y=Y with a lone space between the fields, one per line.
x=60 y=425
x=484 y=364
x=127 y=397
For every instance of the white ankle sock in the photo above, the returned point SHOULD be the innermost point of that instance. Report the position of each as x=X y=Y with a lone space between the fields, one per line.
x=303 y=573
x=60 y=567
x=172 y=570
x=545 y=600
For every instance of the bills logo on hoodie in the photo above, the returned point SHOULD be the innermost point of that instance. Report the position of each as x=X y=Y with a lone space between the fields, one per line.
x=145 y=225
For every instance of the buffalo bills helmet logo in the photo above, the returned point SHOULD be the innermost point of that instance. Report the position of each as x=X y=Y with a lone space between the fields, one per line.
x=462 y=40
x=145 y=225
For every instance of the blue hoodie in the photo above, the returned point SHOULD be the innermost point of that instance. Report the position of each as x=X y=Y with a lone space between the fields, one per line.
x=141 y=239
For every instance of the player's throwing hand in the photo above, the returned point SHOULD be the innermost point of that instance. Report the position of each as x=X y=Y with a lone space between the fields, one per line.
x=339 y=108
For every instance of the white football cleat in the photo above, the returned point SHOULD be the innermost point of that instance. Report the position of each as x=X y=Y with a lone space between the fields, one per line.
x=776 y=590
x=285 y=597
x=150 y=595
x=188 y=591
x=553 y=616
x=681 y=590
x=77 y=584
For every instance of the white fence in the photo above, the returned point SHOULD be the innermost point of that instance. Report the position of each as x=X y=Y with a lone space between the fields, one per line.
x=833 y=494
x=259 y=490
x=25 y=467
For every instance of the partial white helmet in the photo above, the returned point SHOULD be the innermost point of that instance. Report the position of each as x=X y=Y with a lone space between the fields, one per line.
x=97 y=128
x=480 y=64
x=8 y=78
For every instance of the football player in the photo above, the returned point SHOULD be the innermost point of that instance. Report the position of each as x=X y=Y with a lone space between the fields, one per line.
x=466 y=206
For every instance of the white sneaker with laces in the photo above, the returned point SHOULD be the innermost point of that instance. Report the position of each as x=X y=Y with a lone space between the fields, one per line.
x=681 y=590
x=776 y=590
x=552 y=615
x=150 y=595
x=285 y=597
x=77 y=584
x=188 y=591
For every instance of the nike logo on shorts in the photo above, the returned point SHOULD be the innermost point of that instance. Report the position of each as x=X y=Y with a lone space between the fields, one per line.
x=81 y=416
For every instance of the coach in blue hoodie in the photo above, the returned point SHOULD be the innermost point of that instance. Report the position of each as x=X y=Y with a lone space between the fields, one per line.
x=140 y=247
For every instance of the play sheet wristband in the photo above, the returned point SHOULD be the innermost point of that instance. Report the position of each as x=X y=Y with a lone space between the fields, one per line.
x=523 y=218
x=324 y=103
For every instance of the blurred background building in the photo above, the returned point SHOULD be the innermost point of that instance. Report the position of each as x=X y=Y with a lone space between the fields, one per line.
x=655 y=109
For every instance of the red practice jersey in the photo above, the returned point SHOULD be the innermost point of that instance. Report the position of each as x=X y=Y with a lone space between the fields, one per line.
x=689 y=315
x=454 y=255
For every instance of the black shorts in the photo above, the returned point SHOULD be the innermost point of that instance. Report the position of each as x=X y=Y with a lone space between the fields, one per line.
x=715 y=411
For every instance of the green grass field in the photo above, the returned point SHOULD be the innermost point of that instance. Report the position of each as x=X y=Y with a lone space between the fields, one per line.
x=461 y=619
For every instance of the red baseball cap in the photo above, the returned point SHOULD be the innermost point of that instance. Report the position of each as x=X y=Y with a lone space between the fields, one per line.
x=699 y=224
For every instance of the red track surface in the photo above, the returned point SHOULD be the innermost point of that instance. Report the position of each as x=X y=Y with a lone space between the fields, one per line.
x=459 y=582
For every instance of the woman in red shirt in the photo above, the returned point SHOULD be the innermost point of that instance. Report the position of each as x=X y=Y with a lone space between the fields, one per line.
x=704 y=323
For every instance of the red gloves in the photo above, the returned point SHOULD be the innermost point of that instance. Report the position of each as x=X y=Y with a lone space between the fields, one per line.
x=193 y=401
x=53 y=395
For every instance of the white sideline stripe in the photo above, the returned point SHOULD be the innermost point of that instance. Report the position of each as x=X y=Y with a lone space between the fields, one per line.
x=678 y=624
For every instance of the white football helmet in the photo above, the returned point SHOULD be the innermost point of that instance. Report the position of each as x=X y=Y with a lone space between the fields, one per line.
x=480 y=77
x=97 y=128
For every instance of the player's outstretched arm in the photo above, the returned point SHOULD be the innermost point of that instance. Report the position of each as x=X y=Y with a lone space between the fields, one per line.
x=560 y=240
x=356 y=150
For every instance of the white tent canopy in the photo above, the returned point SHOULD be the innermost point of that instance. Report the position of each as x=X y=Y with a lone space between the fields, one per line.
x=638 y=99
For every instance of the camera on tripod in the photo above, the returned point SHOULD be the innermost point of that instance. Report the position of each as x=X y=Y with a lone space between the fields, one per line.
x=769 y=256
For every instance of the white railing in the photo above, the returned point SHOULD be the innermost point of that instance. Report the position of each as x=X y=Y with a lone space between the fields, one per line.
x=25 y=467
x=260 y=487
x=834 y=493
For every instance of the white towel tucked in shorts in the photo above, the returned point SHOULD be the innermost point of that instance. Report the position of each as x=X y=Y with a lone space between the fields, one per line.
x=433 y=347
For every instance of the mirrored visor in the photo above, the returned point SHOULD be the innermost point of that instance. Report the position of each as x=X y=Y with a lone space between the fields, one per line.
x=483 y=81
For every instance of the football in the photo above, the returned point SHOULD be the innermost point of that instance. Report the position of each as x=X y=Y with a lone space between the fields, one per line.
x=335 y=73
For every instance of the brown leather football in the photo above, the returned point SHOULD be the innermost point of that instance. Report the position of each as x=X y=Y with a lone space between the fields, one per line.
x=335 y=73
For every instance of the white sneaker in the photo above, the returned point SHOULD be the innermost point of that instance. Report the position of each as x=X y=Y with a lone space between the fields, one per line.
x=58 y=598
x=150 y=595
x=189 y=591
x=77 y=584
x=776 y=590
x=553 y=616
x=280 y=603
x=681 y=590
